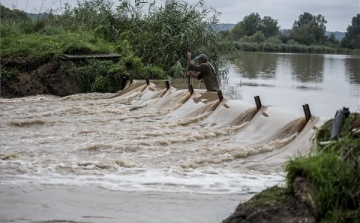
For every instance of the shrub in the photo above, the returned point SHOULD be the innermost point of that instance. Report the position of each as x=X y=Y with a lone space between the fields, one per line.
x=99 y=76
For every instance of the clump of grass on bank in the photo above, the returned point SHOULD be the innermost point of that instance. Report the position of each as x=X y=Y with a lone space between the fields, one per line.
x=334 y=172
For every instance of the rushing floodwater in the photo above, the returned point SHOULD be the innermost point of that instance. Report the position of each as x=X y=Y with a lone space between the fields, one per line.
x=147 y=138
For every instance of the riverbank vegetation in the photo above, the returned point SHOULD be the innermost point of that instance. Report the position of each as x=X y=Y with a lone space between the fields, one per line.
x=323 y=186
x=333 y=170
x=308 y=35
x=151 y=40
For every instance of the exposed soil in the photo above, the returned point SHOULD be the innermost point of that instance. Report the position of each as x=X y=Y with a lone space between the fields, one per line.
x=45 y=79
x=299 y=208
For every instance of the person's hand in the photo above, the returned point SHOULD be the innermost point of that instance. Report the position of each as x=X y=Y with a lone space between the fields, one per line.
x=189 y=55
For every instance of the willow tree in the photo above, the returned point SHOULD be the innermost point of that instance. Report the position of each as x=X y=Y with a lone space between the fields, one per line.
x=163 y=33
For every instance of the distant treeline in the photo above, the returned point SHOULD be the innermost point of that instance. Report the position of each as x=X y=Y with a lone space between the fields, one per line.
x=229 y=26
x=308 y=30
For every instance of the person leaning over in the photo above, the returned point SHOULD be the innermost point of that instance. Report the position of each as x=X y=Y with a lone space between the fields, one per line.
x=206 y=72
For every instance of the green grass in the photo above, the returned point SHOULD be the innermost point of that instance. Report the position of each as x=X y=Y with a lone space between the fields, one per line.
x=334 y=176
x=271 y=197
x=334 y=172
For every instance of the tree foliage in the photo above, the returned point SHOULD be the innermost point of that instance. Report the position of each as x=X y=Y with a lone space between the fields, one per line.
x=6 y=13
x=253 y=23
x=309 y=29
x=352 y=36
x=269 y=26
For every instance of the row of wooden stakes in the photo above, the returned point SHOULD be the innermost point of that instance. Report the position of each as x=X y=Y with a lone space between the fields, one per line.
x=306 y=107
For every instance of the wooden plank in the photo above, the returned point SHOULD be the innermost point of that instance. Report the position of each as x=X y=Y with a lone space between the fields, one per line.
x=111 y=56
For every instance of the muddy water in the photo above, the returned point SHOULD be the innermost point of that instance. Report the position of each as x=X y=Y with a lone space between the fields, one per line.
x=148 y=138
x=165 y=153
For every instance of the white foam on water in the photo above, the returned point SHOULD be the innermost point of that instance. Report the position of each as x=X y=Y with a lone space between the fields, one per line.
x=173 y=180
x=148 y=139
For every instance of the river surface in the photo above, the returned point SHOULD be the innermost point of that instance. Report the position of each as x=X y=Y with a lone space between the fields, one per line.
x=325 y=82
x=150 y=139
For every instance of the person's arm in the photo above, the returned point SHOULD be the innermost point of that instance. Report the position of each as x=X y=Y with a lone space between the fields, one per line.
x=189 y=59
x=192 y=66
x=189 y=73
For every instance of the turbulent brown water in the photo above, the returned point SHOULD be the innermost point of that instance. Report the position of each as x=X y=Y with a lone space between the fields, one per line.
x=148 y=138
x=147 y=154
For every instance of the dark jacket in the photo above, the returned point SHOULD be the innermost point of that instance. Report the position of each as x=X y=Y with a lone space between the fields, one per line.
x=207 y=73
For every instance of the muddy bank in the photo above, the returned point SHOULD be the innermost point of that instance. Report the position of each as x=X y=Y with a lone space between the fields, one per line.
x=278 y=205
x=23 y=79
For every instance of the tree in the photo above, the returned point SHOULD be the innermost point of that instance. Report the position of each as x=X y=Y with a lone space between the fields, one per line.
x=248 y=26
x=269 y=26
x=253 y=23
x=332 y=39
x=6 y=13
x=238 y=31
x=304 y=19
x=352 y=36
x=309 y=29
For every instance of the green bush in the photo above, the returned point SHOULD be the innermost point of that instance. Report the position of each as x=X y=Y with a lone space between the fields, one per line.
x=154 y=72
x=101 y=84
x=98 y=76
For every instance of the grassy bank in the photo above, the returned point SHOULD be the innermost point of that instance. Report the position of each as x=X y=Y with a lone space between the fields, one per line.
x=150 y=45
x=28 y=57
x=332 y=171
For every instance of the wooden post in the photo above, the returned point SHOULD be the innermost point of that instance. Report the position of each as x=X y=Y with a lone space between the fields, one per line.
x=131 y=79
x=258 y=102
x=307 y=112
x=167 y=85
x=220 y=95
x=191 y=89
x=147 y=81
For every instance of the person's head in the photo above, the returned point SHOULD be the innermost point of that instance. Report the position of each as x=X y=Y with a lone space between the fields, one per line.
x=202 y=58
